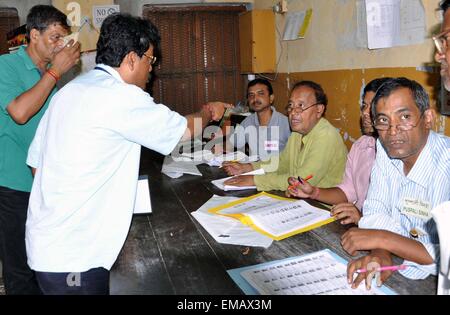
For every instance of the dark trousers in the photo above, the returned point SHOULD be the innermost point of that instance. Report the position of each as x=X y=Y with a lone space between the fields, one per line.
x=17 y=275
x=92 y=282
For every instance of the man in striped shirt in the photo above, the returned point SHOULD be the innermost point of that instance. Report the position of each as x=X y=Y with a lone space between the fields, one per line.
x=410 y=177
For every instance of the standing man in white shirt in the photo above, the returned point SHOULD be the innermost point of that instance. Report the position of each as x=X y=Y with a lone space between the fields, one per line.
x=86 y=153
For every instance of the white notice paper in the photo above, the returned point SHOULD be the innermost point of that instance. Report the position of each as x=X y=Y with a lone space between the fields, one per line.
x=395 y=23
x=101 y=12
x=142 y=203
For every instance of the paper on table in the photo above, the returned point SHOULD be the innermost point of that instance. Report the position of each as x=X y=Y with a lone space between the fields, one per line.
x=275 y=216
x=226 y=230
x=219 y=183
x=175 y=169
x=142 y=202
x=319 y=273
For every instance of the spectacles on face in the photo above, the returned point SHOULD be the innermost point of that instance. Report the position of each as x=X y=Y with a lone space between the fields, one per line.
x=406 y=123
x=300 y=107
x=441 y=41
x=151 y=59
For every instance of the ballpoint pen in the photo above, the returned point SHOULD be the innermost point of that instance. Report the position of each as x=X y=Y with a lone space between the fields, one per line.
x=384 y=268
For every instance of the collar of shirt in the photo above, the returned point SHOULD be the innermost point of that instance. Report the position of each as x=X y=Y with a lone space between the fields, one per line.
x=272 y=118
x=28 y=62
x=316 y=129
x=420 y=170
x=111 y=71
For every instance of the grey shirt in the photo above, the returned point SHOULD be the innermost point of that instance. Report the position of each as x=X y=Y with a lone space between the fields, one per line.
x=263 y=141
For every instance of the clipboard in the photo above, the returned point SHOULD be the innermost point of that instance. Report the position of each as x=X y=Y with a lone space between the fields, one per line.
x=274 y=216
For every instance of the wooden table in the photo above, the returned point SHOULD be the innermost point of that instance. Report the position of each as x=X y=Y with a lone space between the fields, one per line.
x=169 y=252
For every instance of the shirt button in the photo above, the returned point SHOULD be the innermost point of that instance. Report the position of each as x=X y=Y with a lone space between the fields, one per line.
x=414 y=233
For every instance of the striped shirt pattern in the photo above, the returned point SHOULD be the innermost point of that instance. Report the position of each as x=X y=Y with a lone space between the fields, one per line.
x=428 y=181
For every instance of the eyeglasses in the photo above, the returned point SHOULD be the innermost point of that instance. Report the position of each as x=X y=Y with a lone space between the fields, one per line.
x=300 y=107
x=441 y=41
x=151 y=59
x=382 y=123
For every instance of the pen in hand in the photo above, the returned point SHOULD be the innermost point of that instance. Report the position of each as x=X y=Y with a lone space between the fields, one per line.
x=384 y=268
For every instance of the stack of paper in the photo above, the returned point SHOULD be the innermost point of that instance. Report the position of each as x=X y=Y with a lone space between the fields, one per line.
x=142 y=202
x=227 y=230
x=176 y=169
x=220 y=183
x=320 y=273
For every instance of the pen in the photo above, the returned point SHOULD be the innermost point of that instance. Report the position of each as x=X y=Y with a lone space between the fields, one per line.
x=385 y=268
x=301 y=181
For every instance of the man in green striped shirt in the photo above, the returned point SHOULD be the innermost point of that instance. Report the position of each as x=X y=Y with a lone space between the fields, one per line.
x=315 y=147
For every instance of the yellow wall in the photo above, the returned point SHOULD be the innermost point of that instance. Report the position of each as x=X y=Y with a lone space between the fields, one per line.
x=329 y=55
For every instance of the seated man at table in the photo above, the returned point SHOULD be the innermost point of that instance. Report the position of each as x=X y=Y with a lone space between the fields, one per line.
x=410 y=177
x=266 y=131
x=314 y=147
x=348 y=197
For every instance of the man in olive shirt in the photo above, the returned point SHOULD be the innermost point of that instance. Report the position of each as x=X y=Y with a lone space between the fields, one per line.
x=27 y=83
x=315 y=147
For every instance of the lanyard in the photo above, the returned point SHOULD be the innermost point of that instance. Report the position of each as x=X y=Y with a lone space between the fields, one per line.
x=101 y=69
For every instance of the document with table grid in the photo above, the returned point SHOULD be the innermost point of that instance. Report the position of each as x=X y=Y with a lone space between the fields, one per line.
x=320 y=273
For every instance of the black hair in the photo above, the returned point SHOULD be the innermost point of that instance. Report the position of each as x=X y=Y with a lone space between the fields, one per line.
x=374 y=85
x=41 y=17
x=121 y=34
x=444 y=5
x=393 y=84
x=321 y=97
x=261 y=81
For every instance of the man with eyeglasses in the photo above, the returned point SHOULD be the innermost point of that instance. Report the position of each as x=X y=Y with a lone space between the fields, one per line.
x=442 y=42
x=27 y=84
x=86 y=153
x=266 y=131
x=410 y=177
x=349 y=196
x=315 y=147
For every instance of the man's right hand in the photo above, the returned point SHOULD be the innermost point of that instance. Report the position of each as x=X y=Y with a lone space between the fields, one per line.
x=296 y=189
x=381 y=257
x=66 y=58
x=233 y=168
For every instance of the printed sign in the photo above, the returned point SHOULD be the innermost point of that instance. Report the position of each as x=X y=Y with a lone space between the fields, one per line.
x=101 y=12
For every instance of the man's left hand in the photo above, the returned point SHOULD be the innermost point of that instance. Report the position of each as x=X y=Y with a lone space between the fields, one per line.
x=240 y=181
x=356 y=239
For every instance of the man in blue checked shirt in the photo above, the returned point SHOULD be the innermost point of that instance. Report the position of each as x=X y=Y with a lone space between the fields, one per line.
x=410 y=177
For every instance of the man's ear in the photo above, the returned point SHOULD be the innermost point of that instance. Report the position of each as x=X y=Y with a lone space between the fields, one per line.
x=429 y=118
x=34 y=35
x=320 y=109
x=131 y=60
x=271 y=98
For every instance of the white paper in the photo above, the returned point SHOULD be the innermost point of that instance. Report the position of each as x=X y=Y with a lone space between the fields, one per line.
x=175 y=169
x=294 y=22
x=220 y=183
x=395 y=23
x=142 y=202
x=227 y=230
x=101 y=12
x=315 y=274
x=441 y=215
x=279 y=217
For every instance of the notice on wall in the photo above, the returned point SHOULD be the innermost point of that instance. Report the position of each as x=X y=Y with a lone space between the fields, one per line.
x=393 y=23
x=101 y=12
